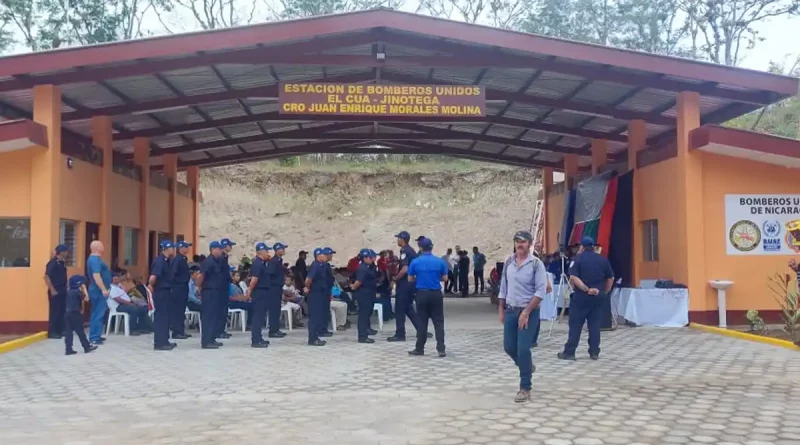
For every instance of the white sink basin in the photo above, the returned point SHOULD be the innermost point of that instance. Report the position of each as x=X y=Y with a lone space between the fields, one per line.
x=720 y=284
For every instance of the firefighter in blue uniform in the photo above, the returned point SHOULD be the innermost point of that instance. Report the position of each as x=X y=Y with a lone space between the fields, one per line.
x=259 y=294
x=318 y=291
x=366 y=289
x=276 y=274
x=180 y=290
x=72 y=315
x=222 y=310
x=55 y=275
x=329 y=279
x=160 y=284
x=404 y=292
x=427 y=273
x=592 y=278
x=211 y=279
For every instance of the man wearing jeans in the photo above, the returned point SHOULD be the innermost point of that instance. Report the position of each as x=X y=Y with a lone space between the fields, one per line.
x=522 y=288
x=99 y=283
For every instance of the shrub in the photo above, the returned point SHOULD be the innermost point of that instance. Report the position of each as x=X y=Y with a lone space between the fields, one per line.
x=756 y=322
x=788 y=302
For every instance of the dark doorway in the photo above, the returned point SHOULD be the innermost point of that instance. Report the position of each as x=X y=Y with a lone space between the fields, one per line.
x=115 y=247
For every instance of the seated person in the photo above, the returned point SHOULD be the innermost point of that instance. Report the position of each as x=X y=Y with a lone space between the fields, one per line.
x=120 y=300
x=339 y=308
x=293 y=299
x=194 y=303
x=343 y=284
x=238 y=300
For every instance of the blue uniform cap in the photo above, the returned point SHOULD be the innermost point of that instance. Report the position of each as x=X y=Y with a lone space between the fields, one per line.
x=233 y=269
x=587 y=241
x=366 y=253
x=61 y=248
x=328 y=251
x=318 y=251
x=424 y=243
x=76 y=281
x=262 y=246
x=167 y=245
x=184 y=244
x=374 y=253
x=215 y=245
x=278 y=246
x=403 y=235
x=225 y=242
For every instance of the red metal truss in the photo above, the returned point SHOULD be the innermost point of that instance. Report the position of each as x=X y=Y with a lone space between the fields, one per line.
x=275 y=116
x=332 y=133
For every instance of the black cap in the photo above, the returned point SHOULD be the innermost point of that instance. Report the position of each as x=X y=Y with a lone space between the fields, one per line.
x=523 y=235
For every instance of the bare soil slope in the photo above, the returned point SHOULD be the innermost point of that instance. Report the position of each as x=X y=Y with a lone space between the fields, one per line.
x=351 y=210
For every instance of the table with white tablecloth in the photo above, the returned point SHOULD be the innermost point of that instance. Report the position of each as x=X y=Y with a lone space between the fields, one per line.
x=668 y=308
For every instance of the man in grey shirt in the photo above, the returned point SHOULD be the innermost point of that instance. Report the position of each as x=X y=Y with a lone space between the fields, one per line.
x=522 y=288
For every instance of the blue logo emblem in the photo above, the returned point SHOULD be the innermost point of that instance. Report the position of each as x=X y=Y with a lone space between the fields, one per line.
x=772 y=229
x=772 y=244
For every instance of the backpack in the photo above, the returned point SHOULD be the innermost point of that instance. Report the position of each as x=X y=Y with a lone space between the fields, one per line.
x=510 y=258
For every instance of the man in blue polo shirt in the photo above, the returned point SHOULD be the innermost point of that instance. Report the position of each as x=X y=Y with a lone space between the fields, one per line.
x=427 y=272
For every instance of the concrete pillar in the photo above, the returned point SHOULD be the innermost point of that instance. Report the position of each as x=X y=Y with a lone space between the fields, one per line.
x=637 y=140
x=547 y=186
x=599 y=154
x=102 y=138
x=193 y=181
x=171 y=172
x=141 y=157
x=570 y=170
x=689 y=187
x=45 y=193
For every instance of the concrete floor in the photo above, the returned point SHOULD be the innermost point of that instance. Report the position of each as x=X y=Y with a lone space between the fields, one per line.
x=653 y=386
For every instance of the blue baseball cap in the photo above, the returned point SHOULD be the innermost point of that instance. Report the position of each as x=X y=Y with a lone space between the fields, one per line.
x=318 y=251
x=366 y=253
x=262 y=246
x=328 y=251
x=374 y=253
x=61 y=248
x=587 y=241
x=403 y=235
x=215 y=245
x=279 y=246
x=424 y=243
x=225 y=242
x=76 y=281
x=166 y=245
x=182 y=244
x=233 y=269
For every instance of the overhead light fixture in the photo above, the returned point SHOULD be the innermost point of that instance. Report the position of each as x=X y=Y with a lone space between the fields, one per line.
x=158 y=110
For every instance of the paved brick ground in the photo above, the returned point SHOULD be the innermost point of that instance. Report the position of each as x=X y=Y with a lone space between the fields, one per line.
x=653 y=386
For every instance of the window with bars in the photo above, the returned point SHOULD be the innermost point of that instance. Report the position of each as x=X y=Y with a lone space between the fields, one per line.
x=67 y=236
x=650 y=239
x=131 y=246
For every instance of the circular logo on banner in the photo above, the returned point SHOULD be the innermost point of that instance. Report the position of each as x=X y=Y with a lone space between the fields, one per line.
x=772 y=229
x=745 y=235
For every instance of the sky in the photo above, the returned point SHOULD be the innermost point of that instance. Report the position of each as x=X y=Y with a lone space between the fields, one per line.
x=782 y=37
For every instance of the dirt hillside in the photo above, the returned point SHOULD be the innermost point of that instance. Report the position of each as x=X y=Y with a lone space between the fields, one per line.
x=354 y=209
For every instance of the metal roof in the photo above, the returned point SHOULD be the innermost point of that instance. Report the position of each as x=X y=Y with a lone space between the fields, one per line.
x=211 y=97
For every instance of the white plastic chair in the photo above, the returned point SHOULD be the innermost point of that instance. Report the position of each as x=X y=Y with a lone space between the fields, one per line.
x=193 y=317
x=118 y=318
x=286 y=311
x=378 y=307
x=333 y=321
x=239 y=315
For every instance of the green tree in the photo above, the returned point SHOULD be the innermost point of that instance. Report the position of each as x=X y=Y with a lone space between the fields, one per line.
x=292 y=9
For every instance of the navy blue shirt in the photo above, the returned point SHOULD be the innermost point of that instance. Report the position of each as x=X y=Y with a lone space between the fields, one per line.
x=275 y=272
x=367 y=274
x=74 y=299
x=162 y=269
x=213 y=278
x=226 y=268
x=428 y=271
x=180 y=270
x=593 y=269
x=318 y=273
x=259 y=270
x=56 y=270
x=407 y=255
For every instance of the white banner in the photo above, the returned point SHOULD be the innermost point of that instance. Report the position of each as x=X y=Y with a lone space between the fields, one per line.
x=762 y=224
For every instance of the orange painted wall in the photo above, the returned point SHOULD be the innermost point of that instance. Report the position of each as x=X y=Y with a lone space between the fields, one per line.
x=17 y=302
x=15 y=183
x=555 y=217
x=80 y=191
x=726 y=175
x=124 y=201
x=659 y=201
x=157 y=213
x=183 y=216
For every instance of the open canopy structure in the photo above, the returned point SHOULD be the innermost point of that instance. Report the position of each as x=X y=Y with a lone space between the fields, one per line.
x=211 y=97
